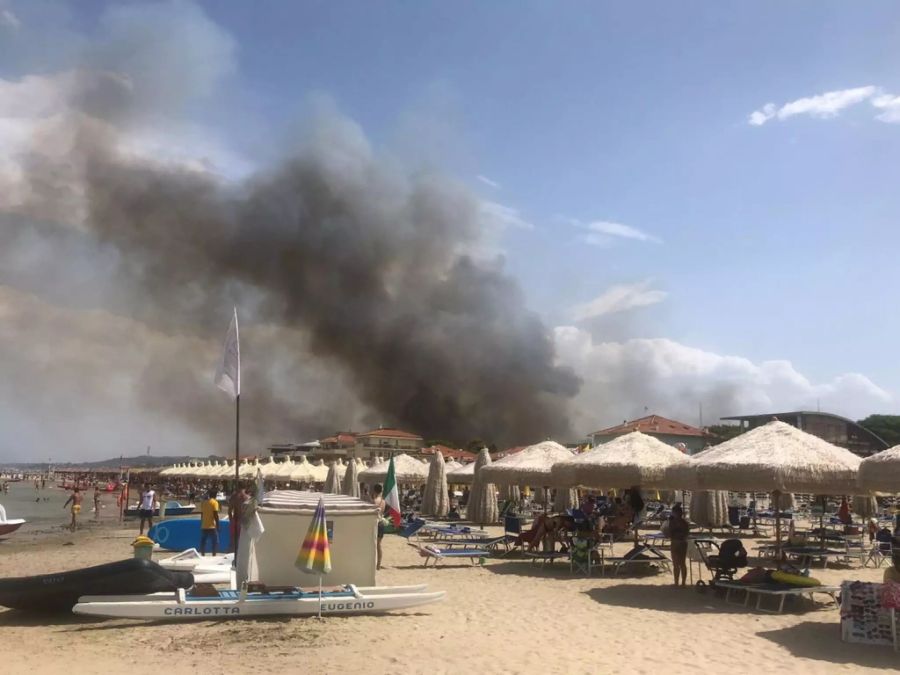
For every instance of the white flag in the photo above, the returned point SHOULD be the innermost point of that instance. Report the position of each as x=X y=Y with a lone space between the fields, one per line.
x=228 y=374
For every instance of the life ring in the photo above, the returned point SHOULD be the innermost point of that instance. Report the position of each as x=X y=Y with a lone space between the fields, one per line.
x=794 y=579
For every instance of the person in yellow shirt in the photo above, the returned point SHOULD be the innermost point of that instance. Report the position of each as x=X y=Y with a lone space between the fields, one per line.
x=209 y=523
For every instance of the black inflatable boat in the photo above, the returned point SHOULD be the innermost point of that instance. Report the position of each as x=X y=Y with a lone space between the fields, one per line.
x=60 y=591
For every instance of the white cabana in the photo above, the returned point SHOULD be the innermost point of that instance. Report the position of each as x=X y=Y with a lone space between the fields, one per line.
x=407 y=471
x=319 y=470
x=303 y=472
x=530 y=466
x=285 y=469
x=269 y=469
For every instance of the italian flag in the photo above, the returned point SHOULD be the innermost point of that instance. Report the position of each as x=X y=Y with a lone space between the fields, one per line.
x=392 y=496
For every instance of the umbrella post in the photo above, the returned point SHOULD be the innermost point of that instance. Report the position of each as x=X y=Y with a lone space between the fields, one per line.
x=777 y=496
x=320 y=597
x=822 y=522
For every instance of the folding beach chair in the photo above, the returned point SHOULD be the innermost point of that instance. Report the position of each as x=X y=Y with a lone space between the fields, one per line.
x=433 y=553
x=640 y=555
x=580 y=554
x=881 y=550
x=411 y=529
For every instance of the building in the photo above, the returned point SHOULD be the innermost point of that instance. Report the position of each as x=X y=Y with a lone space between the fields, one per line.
x=666 y=430
x=385 y=442
x=455 y=454
x=833 y=428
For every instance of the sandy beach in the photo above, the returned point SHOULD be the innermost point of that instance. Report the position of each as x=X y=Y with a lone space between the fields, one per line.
x=507 y=616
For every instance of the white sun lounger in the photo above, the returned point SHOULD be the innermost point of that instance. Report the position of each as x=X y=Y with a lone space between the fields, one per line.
x=778 y=591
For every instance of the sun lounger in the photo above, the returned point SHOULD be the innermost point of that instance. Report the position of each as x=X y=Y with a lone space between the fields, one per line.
x=479 y=542
x=773 y=590
x=810 y=553
x=452 y=531
x=640 y=555
x=545 y=557
x=436 y=554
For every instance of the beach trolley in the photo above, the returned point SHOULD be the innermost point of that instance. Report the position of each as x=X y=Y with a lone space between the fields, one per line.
x=352 y=530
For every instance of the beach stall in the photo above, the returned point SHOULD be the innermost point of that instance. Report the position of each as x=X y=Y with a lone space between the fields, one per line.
x=351 y=525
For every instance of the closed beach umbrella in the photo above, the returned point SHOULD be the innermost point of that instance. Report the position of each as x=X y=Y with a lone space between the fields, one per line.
x=333 y=479
x=510 y=493
x=462 y=476
x=709 y=508
x=435 y=500
x=865 y=506
x=530 y=466
x=881 y=472
x=350 y=484
x=407 y=471
x=314 y=556
x=564 y=499
x=775 y=457
x=482 y=507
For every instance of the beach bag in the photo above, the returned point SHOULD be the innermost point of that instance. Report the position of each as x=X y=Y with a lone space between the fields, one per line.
x=890 y=595
x=756 y=575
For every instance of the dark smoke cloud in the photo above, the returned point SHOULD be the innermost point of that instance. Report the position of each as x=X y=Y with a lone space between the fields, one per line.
x=363 y=296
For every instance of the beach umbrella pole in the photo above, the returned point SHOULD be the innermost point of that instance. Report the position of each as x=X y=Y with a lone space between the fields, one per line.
x=777 y=496
x=320 y=597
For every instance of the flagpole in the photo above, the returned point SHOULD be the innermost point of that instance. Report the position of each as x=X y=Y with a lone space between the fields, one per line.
x=237 y=439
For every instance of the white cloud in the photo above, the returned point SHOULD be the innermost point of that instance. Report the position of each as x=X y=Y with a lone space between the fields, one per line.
x=604 y=233
x=495 y=215
x=487 y=181
x=821 y=106
x=671 y=379
x=619 y=298
x=9 y=20
x=890 y=105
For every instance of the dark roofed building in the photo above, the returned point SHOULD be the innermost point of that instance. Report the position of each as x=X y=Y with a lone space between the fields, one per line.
x=832 y=428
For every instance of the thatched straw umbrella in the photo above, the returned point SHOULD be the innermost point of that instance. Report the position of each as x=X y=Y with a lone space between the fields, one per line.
x=633 y=459
x=435 y=500
x=350 y=484
x=709 y=508
x=482 y=507
x=462 y=476
x=775 y=457
x=333 y=479
x=881 y=472
x=407 y=471
x=530 y=466
x=452 y=465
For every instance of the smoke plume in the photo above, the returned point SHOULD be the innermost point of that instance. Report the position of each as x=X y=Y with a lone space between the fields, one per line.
x=355 y=279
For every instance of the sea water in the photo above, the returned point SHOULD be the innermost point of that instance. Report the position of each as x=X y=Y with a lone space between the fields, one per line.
x=42 y=507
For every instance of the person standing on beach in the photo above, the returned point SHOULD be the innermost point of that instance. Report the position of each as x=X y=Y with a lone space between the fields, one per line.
x=235 y=513
x=378 y=501
x=75 y=500
x=96 y=502
x=148 y=497
x=209 y=523
x=678 y=533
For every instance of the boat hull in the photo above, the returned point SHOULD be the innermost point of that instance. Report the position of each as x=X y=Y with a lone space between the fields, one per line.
x=363 y=601
x=10 y=526
x=184 y=533
x=60 y=591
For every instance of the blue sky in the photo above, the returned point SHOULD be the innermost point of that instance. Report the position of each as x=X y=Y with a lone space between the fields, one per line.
x=777 y=241
x=700 y=195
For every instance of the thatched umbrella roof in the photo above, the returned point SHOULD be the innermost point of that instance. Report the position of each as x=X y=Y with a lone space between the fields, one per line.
x=881 y=472
x=775 y=457
x=530 y=466
x=407 y=470
x=435 y=500
x=333 y=479
x=452 y=465
x=482 y=507
x=350 y=484
x=631 y=459
x=462 y=476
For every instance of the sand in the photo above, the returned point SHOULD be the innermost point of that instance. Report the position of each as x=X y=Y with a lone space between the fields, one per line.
x=507 y=616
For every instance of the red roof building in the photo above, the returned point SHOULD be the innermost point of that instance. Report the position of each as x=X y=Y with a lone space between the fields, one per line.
x=666 y=430
x=450 y=453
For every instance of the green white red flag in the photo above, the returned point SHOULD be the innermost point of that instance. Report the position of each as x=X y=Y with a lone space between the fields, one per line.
x=392 y=495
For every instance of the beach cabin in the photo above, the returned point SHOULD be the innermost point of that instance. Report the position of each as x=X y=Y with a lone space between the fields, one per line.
x=352 y=531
